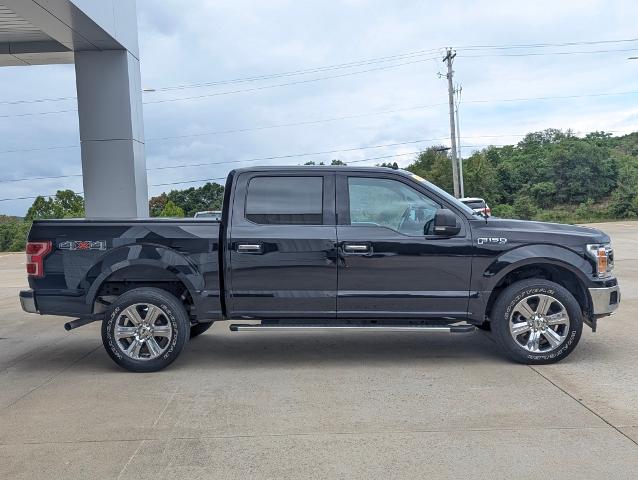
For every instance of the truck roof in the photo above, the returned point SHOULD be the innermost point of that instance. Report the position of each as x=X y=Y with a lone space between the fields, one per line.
x=321 y=168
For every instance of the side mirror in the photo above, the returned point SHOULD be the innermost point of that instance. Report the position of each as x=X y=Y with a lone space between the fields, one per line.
x=446 y=223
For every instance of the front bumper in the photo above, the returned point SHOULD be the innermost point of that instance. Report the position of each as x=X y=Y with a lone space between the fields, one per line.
x=605 y=300
x=27 y=300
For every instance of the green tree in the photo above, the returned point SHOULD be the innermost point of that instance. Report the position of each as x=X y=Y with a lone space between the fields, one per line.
x=13 y=233
x=41 y=208
x=624 y=199
x=435 y=166
x=543 y=193
x=157 y=204
x=65 y=204
x=196 y=199
x=172 y=210
x=524 y=207
x=480 y=178
x=581 y=170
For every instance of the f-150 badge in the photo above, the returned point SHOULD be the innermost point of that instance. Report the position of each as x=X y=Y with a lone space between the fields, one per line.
x=82 y=245
x=491 y=240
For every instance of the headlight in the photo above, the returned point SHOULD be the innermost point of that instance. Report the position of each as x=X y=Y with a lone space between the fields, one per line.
x=603 y=257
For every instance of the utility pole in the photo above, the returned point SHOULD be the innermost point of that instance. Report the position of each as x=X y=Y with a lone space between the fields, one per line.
x=459 y=152
x=449 y=57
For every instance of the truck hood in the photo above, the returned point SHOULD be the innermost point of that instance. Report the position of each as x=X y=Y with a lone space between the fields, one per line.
x=524 y=231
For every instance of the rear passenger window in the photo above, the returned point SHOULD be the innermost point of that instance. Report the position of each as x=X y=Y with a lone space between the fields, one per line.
x=285 y=200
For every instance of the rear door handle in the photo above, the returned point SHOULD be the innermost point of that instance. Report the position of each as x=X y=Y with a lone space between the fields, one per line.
x=249 y=248
x=360 y=248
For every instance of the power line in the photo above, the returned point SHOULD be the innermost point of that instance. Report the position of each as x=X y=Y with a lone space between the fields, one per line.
x=299 y=72
x=28 y=179
x=537 y=54
x=312 y=80
x=295 y=124
x=300 y=155
x=478 y=101
x=398 y=57
x=59 y=147
x=349 y=162
x=298 y=82
x=30 y=114
x=36 y=100
x=279 y=157
x=271 y=76
x=545 y=45
x=362 y=63
x=246 y=90
x=286 y=156
x=259 y=159
x=31 y=198
x=556 y=97
x=211 y=179
x=188 y=181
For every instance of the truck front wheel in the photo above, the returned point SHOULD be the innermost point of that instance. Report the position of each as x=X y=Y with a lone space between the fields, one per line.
x=536 y=322
x=145 y=329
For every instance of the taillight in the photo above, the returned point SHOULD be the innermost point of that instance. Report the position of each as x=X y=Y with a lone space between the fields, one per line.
x=36 y=251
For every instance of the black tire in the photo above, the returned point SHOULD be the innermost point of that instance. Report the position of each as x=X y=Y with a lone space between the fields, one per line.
x=171 y=317
x=485 y=326
x=200 y=328
x=504 y=310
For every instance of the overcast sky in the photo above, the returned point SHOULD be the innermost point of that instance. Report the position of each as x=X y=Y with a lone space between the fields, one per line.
x=203 y=41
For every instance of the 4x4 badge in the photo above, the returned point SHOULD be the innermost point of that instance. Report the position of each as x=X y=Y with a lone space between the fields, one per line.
x=82 y=245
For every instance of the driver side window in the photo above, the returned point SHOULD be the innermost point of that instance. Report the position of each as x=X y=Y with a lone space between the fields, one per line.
x=389 y=203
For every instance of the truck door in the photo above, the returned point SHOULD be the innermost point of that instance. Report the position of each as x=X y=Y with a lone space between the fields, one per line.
x=391 y=264
x=282 y=246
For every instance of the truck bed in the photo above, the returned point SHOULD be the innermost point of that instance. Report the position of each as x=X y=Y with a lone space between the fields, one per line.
x=94 y=258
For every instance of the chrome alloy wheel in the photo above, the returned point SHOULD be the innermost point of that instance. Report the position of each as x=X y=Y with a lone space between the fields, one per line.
x=539 y=323
x=143 y=331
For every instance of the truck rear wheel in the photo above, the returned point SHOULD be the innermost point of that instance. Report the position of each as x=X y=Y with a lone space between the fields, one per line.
x=536 y=322
x=145 y=329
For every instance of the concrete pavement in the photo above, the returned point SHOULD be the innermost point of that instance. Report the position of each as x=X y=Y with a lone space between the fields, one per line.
x=292 y=406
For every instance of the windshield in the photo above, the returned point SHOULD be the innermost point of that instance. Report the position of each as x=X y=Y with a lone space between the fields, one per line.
x=451 y=199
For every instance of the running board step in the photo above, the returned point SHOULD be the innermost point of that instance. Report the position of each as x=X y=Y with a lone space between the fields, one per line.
x=246 y=327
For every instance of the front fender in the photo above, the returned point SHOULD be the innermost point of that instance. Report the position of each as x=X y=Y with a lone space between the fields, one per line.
x=525 y=255
x=490 y=268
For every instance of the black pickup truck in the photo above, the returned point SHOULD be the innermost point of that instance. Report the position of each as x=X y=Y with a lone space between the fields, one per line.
x=320 y=248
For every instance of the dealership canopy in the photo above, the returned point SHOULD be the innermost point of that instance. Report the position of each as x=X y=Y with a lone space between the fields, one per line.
x=100 y=37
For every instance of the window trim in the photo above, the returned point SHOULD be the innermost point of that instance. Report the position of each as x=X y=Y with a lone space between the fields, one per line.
x=327 y=193
x=343 y=201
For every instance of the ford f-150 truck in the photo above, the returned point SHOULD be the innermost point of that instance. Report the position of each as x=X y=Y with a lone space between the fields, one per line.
x=323 y=248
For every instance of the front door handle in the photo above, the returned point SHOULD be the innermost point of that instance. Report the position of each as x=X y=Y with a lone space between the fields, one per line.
x=249 y=248
x=360 y=248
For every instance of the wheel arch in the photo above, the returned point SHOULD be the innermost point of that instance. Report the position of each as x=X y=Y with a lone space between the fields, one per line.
x=132 y=265
x=556 y=271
